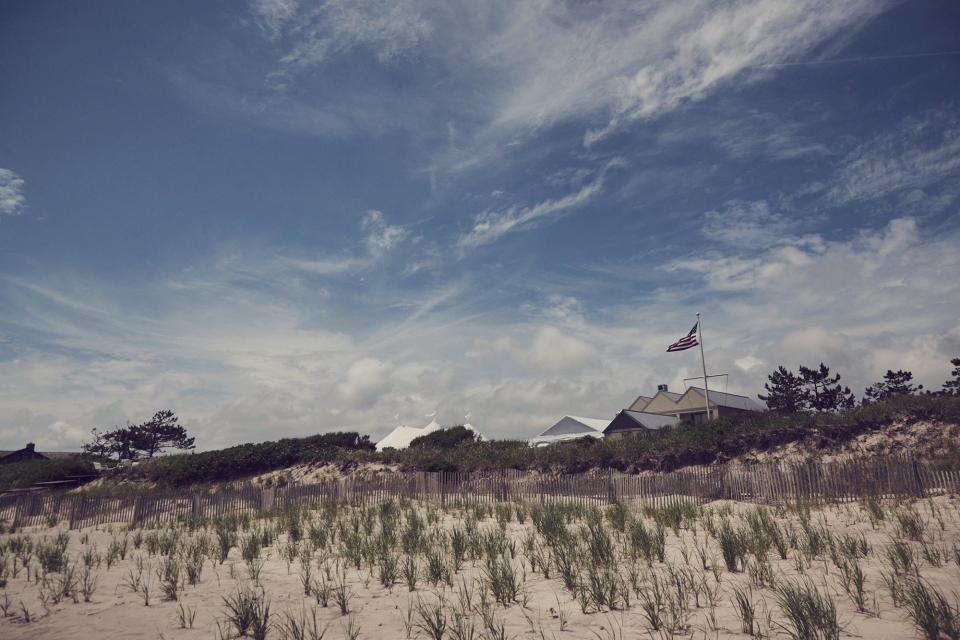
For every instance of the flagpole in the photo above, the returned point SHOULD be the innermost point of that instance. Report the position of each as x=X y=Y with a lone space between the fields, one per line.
x=703 y=361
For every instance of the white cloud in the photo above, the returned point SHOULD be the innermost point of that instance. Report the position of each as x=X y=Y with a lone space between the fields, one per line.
x=505 y=70
x=748 y=363
x=746 y=224
x=379 y=240
x=547 y=350
x=364 y=380
x=381 y=237
x=923 y=152
x=12 y=199
x=557 y=308
x=491 y=225
x=246 y=359
x=313 y=34
x=633 y=60
x=553 y=350
x=272 y=15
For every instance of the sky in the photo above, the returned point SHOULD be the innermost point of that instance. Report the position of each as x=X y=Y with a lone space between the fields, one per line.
x=286 y=217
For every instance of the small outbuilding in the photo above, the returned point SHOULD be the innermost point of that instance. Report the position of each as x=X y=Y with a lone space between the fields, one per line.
x=29 y=452
x=570 y=428
x=627 y=422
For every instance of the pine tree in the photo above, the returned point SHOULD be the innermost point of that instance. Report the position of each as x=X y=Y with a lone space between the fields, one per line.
x=785 y=393
x=894 y=383
x=952 y=386
x=823 y=391
x=160 y=432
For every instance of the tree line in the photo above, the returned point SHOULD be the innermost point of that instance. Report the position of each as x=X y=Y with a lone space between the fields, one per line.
x=815 y=389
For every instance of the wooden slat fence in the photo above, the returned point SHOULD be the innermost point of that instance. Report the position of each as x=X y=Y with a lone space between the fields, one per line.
x=815 y=483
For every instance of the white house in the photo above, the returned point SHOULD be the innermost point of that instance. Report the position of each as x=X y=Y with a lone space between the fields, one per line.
x=570 y=428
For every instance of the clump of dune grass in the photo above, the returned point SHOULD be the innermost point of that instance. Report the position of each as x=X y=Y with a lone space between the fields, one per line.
x=930 y=611
x=809 y=614
x=248 y=612
x=746 y=609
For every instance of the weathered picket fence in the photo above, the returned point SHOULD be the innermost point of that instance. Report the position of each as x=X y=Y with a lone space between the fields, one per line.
x=816 y=483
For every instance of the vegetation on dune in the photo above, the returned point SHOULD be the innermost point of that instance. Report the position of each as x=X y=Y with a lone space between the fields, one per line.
x=446 y=438
x=246 y=459
x=24 y=474
x=673 y=448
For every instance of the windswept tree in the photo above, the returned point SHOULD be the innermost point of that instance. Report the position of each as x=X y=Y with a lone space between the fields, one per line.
x=952 y=386
x=160 y=432
x=117 y=443
x=894 y=383
x=785 y=393
x=824 y=392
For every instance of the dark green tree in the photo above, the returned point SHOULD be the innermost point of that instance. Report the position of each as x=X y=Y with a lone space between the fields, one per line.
x=824 y=392
x=446 y=438
x=894 y=383
x=952 y=386
x=785 y=393
x=160 y=432
x=107 y=444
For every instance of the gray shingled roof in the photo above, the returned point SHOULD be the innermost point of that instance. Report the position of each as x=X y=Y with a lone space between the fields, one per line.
x=648 y=421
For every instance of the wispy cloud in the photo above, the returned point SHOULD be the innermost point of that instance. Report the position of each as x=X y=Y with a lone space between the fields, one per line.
x=923 y=152
x=380 y=238
x=491 y=225
x=747 y=224
x=311 y=35
x=505 y=71
x=12 y=200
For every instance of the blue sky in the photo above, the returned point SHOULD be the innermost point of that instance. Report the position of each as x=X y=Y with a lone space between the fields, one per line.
x=285 y=217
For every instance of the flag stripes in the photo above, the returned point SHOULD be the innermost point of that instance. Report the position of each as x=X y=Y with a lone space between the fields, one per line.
x=686 y=342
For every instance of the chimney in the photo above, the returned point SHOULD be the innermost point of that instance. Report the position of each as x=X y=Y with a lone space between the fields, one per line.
x=661 y=387
x=30 y=447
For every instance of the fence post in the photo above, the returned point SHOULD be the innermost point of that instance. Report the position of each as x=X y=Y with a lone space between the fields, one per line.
x=76 y=506
x=918 y=478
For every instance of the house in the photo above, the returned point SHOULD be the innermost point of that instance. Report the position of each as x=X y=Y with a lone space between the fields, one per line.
x=640 y=404
x=570 y=428
x=690 y=406
x=627 y=422
x=29 y=452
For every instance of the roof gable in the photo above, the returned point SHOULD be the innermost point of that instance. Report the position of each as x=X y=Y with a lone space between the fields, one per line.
x=574 y=424
x=662 y=402
x=628 y=420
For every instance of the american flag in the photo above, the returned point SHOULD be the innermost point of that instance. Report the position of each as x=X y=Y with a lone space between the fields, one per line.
x=686 y=342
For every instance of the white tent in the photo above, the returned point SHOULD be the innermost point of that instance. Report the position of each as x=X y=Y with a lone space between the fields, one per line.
x=470 y=427
x=402 y=435
x=570 y=428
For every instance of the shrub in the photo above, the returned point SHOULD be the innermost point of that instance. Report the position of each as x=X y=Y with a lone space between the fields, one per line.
x=446 y=438
x=24 y=474
x=930 y=611
x=246 y=459
x=810 y=614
